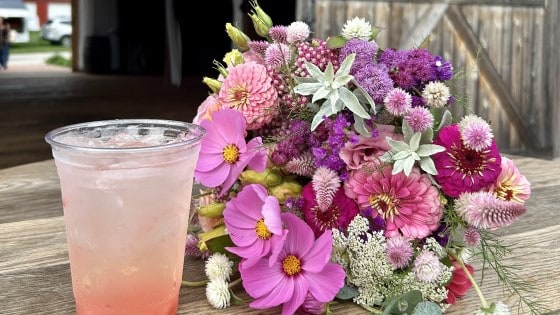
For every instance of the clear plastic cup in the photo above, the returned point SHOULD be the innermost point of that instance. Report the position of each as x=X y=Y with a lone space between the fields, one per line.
x=126 y=193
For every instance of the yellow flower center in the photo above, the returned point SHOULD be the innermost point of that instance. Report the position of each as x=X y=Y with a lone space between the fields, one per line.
x=230 y=153
x=507 y=191
x=386 y=205
x=291 y=265
x=239 y=96
x=262 y=231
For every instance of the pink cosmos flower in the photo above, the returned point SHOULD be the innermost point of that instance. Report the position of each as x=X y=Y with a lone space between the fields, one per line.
x=248 y=88
x=253 y=221
x=461 y=169
x=302 y=268
x=511 y=185
x=410 y=205
x=368 y=150
x=224 y=154
x=338 y=215
x=206 y=108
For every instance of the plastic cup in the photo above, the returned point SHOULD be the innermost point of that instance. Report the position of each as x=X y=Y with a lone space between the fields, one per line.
x=126 y=193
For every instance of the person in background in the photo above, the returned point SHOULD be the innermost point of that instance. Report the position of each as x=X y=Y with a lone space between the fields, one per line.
x=4 y=44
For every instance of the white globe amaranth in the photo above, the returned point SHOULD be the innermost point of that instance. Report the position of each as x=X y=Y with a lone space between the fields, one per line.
x=357 y=28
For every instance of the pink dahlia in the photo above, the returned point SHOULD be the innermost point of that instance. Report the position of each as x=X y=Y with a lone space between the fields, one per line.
x=511 y=185
x=224 y=154
x=249 y=89
x=410 y=205
x=253 y=221
x=368 y=150
x=338 y=215
x=461 y=169
x=302 y=268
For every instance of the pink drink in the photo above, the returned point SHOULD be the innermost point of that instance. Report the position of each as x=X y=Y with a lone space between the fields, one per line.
x=126 y=203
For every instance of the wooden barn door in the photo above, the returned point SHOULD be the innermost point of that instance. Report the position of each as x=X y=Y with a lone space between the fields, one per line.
x=505 y=54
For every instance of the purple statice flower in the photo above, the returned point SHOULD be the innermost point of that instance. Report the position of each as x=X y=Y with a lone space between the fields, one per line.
x=443 y=68
x=337 y=136
x=365 y=51
x=375 y=80
x=393 y=59
x=441 y=234
x=420 y=63
x=418 y=101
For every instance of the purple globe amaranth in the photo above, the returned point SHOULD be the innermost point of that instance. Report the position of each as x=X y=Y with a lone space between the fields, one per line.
x=461 y=169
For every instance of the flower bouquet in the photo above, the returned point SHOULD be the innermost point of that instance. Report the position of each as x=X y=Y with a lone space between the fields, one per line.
x=332 y=170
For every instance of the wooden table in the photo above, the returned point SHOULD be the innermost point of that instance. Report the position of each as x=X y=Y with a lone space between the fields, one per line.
x=35 y=274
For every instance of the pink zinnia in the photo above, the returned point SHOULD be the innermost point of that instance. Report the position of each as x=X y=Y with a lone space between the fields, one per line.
x=398 y=102
x=253 y=221
x=302 y=268
x=224 y=154
x=483 y=210
x=511 y=185
x=399 y=251
x=249 y=89
x=410 y=205
x=419 y=118
x=338 y=215
x=461 y=169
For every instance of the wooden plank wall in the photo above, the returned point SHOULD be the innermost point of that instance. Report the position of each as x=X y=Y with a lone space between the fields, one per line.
x=505 y=54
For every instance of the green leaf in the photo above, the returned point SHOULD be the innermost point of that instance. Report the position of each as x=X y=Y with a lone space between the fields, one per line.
x=307 y=88
x=427 y=308
x=408 y=165
x=375 y=30
x=415 y=141
x=314 y=71
x=325 y=110
x=346 y=64
x=429 y=149
x=407 y=130
x=347 y=293
x=360 y=126
x=403 y=304
x=397 y=145
x=329 y=73
x=351 y=102
x=218 y=244
x=336 y=42
x=428 y=166
x=427 y=136
x=398 y=167
x=341 y=80
x=321 y=93
x=401 y=155
x=446 y=119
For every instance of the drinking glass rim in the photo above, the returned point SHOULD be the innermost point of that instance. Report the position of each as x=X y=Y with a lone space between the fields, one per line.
x=188 y=126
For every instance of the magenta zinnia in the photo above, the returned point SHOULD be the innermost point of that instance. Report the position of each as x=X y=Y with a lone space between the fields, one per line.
x=461 y=169
x=249 y=89
x=224 y=154
x=302 y=268
x=410 y=205
x=253 y=221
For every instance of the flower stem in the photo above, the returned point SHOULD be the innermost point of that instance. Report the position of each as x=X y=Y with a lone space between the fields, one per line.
x=472 y=280
x=234 y=283
x=193 y=283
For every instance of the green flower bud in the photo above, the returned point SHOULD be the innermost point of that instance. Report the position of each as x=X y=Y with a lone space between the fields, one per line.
x=213 y=210
x=266 y=178
x=206 y=236
x=265 y=18
x=239 y=38
x=223 y=71
x=234 y=58
x=213 y=84
x=285 y=190
x=260 y=27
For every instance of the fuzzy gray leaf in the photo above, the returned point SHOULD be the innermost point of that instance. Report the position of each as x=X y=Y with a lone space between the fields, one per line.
x=307 y=88
x=428 y=166
x=397 y=145
x=429 y=149
x=351 y=102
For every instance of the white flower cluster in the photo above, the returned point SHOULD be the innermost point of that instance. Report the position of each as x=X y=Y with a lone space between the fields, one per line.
x=364 y=257
x=218 y=269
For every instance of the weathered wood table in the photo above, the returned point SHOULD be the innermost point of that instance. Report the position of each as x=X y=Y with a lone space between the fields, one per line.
x=35 y=273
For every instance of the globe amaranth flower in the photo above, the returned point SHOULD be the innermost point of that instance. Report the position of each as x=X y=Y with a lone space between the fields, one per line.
x=249 y=89
x=218 y=294
x=436 y=94
x=253 y=221
x=224 y=154
x=410 y=205
x=356 y=28
x=461 y=169
x=302 y=268
x=419 y=118
x=459 y=284
x=511 y=185
x=297 y=32
x=398 y=102
x=427 y=266
x=218 y=266
x=399 y=251
x=338 y=215
x=475 y=132
x=483 y=210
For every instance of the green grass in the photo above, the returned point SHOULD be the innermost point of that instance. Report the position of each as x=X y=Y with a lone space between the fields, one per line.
x=58 y=60
x=36 y=44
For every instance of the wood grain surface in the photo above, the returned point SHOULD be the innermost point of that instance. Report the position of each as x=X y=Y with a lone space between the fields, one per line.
x=35 y=274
